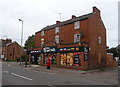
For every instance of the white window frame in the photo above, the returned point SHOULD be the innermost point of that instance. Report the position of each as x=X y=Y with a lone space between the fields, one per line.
x=42 y=33
x=57 y=39
x=42 y=43
x=57 y=29
x=42 y=39
x=76 y=38
x=99 y=40
x=77 y=25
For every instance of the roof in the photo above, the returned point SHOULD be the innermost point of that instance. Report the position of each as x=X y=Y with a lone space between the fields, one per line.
x=67 y=22
x=12 y=43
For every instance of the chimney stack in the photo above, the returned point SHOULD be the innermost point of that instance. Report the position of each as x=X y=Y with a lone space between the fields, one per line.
x=73 y=16
x=57 y=22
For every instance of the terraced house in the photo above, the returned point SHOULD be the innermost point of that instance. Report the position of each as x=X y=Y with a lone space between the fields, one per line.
x=79 y=42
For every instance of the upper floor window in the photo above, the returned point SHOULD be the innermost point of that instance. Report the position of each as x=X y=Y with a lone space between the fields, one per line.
x=42 y=39
x=57 y=39
x=57 y=29
x=99 y=40
x=42 y=33
x=42 y=44
x=76 y=38
x=76 y=25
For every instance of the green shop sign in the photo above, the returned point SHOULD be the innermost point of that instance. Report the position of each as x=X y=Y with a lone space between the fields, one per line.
x=35 y=51
x=50 y=49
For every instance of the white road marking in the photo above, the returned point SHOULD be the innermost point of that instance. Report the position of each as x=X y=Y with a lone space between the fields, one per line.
x=8 y=65
x=5 y=71
x=21 y=76
x=51 y=85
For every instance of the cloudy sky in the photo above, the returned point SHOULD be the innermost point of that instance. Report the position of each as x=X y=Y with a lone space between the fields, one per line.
x=37 y=14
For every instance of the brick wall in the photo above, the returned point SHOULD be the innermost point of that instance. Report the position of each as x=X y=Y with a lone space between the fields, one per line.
x=13 y=51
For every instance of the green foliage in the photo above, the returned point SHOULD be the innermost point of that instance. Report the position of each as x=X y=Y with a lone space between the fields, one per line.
x=114 y=51
x=24 y=58
x=29 y=43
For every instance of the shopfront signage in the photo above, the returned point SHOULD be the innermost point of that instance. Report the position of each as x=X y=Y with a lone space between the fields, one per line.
x=35 y=51
x=49 y=49
x=71 y=49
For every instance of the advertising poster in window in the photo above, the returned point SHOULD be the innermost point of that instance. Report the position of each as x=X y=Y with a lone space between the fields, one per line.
x=85 y=56
x=76 y=59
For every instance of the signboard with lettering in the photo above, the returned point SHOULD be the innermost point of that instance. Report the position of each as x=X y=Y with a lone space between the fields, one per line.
x=72 y=49
x=35 y=51
x=50 y=49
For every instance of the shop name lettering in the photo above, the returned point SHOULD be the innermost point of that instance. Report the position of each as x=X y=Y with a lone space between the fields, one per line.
x=68 y=49
x=37 y=51
x=47 y=49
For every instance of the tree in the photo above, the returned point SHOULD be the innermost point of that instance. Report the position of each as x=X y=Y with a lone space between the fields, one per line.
x=114 y=51
x=29 y=43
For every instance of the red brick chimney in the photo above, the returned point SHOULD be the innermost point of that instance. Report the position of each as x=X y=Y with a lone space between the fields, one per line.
x=57 y=22
x=73 y=16
x=96 y=10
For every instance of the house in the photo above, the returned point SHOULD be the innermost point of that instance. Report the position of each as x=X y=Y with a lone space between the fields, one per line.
x=79 y=42
x=13 y=51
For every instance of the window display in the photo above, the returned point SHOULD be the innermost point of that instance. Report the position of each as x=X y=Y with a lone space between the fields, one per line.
x=67 y=59
x=53 y=58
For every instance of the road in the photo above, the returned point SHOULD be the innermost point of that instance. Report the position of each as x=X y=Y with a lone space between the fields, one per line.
x=19 y=76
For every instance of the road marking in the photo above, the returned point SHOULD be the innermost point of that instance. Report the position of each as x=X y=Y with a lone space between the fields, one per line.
x=5 y=71
x=51 y=85
x=21 y=76
x=8 y=65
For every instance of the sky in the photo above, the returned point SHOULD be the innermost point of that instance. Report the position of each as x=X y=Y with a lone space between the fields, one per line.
x=37 y=14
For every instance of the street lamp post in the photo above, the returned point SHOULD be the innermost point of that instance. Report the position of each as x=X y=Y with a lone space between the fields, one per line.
x=21 y=37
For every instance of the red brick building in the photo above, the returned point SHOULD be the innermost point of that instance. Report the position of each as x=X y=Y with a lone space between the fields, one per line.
x=79 y=42
x=13 y=51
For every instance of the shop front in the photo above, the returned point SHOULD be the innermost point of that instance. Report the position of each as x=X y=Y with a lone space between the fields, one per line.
x=72 y=56
x=51 y=52
x=35 y=56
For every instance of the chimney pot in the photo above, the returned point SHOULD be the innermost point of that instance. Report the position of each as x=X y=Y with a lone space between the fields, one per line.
x=73 y=16
x=57 y=22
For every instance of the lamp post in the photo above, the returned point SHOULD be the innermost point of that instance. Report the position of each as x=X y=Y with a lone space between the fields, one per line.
x=21 y=37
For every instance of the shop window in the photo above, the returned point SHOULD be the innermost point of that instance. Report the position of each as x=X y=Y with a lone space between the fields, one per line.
x=42 y=33
x=53 y=58
x=76 y=59
x=76 y=38
x=57 y=39
x=66 y=59
x=57 y=30
x=72 y=59
x=76 y=25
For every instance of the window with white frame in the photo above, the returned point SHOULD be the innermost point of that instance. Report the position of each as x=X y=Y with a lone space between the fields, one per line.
x=42 y=44
x=57 y=39
x=76 y=38
x=42 y=39
x=42 y=33
x=99 y=40
x=57 y=29
x=77 y=25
